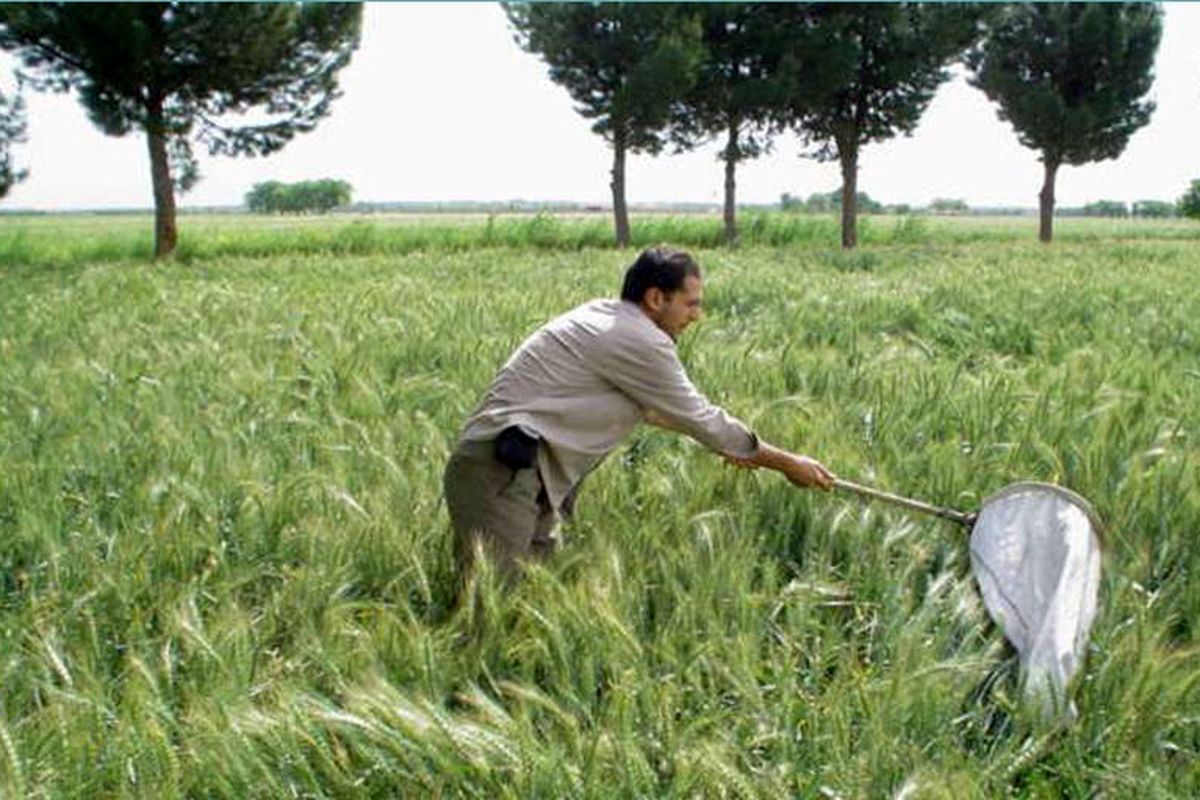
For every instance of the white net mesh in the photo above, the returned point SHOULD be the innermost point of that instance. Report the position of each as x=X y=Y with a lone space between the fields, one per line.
x=1036 y=555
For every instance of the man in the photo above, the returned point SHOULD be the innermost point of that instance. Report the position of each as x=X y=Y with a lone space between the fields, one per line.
x=569 y=394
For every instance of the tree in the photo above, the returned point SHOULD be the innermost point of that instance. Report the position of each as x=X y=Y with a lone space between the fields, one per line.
x=175 y=71
x=944 y=205
x=267 y=197
x=869 y=74
x=331 y=194
x=1069 y=77
x=12 y=131
x=273 y=197
x=1189 y=204
x=626 y=65
x=738 y=90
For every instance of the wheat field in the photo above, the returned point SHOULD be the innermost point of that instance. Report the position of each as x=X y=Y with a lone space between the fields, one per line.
x=225 y=560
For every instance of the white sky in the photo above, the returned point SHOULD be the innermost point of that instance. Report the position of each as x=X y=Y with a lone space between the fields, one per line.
x=440 y=104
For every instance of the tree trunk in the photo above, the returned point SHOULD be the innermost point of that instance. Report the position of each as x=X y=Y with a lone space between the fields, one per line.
x=848 y=155
x=731 y=159
x=165 y=237
x=620 y=212
x=1046 y=202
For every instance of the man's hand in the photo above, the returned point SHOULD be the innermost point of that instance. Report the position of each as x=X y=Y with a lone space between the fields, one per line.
x=807 y=473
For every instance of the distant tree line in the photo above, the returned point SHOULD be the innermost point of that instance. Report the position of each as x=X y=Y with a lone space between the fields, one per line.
x=831 y=202
x=827 y=202
x=1119 y=209
x=305 y=197
x=1187 y=206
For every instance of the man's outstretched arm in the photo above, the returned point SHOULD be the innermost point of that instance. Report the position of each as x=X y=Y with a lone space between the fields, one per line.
x=800 y=470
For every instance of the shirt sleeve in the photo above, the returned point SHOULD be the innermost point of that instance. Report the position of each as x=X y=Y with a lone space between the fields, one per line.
x=649 y=371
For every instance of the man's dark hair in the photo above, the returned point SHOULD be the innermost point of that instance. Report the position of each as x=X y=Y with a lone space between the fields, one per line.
x=658 y=268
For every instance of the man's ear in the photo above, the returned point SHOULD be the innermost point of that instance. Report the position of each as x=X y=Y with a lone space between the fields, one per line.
x=654 y=298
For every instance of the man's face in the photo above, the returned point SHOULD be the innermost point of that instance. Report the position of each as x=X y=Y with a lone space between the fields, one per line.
x=675 y=311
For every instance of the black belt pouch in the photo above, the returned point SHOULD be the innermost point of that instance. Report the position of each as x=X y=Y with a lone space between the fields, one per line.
x=516 y=449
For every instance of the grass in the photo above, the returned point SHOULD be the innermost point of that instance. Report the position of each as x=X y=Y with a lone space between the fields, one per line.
x=225 y=566
x=62 y=241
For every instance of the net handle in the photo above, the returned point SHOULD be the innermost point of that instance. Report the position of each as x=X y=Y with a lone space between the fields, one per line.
x=967 y=520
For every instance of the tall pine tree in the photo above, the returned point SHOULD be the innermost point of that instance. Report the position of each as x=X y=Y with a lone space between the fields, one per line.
x=626 y=65
x=868 y=71
x=738 y=92
x=1070 y=78
x=177 y=71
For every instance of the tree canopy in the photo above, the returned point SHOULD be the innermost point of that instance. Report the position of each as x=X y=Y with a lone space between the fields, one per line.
x=177 y=71
x=1070 y=78
x=627 y=66
x=320 y=197
x=12 y=131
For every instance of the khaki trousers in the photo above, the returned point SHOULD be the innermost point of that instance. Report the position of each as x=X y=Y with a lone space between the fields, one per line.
x=505 y=513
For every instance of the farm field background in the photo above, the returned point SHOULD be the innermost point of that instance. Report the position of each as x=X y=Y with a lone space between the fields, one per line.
x=225 y=561
x=47 y=239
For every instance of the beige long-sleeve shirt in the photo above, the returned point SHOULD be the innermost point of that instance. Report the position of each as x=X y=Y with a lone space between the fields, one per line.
x=585 y=380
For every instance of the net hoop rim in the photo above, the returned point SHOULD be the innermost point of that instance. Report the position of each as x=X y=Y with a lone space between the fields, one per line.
x=1062 y=491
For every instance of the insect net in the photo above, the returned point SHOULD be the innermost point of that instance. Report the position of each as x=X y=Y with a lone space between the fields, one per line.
x=1035 y=552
